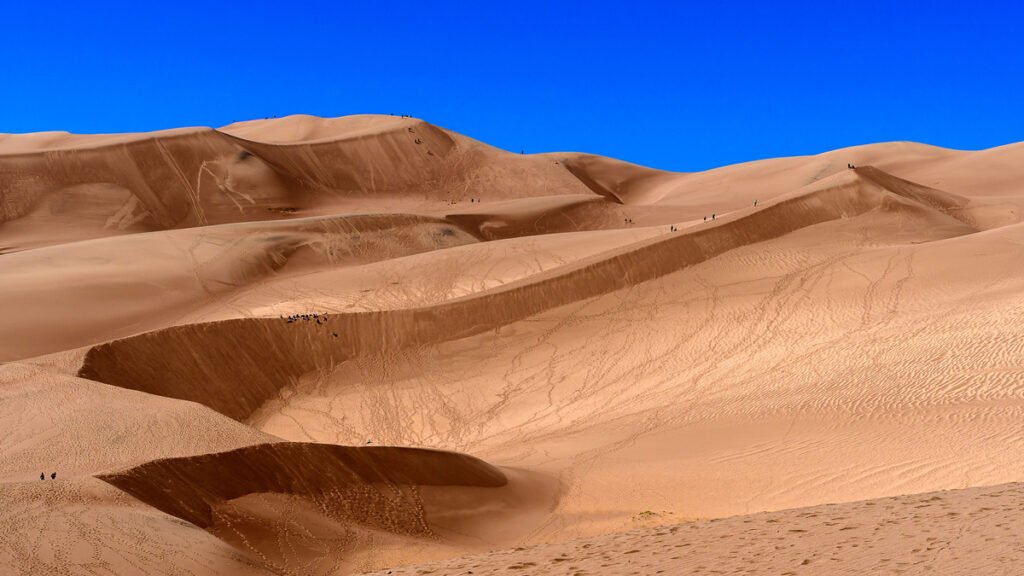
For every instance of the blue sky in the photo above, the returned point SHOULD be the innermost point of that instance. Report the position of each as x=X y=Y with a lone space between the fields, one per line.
x=675 y=85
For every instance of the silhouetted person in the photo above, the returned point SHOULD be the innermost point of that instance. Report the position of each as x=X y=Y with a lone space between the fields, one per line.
x=712 y=216
x=42 y=476
x=53 y=476
x=705 y=218
x=755 y=203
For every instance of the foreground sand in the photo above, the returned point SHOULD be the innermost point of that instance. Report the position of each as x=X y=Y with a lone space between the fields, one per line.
x=972 y=531
x=508 y=350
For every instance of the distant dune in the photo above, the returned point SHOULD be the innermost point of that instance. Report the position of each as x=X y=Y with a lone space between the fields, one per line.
x=333 y=346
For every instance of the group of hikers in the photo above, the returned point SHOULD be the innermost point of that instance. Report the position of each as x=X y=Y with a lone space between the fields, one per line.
x=320 y=319
x=673 y=228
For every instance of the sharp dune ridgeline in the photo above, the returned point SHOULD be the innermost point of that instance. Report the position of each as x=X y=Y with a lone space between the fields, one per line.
x=334 y=346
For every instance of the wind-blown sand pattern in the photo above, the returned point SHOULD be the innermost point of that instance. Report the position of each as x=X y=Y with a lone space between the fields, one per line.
x=330 y=346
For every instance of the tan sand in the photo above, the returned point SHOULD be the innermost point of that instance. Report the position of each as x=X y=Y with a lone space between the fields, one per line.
x=508 y=350
x=971 y=531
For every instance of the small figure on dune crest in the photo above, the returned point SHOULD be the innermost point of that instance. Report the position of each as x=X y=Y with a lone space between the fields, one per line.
x=712 y=216
x=755 y=203
x=42 y=475
x=53 y=476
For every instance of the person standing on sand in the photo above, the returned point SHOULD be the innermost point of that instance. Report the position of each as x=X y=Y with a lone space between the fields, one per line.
x=42 y=475
x=53 y=476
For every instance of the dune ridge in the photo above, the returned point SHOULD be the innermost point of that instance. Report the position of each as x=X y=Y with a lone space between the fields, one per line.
x=234 y=366
x=111 y=297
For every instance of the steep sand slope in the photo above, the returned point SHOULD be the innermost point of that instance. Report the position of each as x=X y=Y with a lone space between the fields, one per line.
x=200 y=176
x=268 y=354
x=972 y=531
x=101 y=289
x=418 y=280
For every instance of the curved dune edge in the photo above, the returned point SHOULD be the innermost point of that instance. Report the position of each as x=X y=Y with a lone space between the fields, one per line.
x=235 y=366
x=191 y=487
x=620 y=181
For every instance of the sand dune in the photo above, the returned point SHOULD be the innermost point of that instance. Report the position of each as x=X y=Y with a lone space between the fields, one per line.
x=507 y=350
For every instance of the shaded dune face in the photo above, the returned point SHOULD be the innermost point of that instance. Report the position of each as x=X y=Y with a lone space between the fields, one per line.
x=361 y=164
x=165 y=173
x=202 y=176
x=619 y=181
x=303 y=508
x=207 y=177
x=190 y=488
x=235 y=366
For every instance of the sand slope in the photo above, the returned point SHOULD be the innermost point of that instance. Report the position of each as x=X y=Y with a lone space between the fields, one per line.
x=970 y=531
x=498 y=350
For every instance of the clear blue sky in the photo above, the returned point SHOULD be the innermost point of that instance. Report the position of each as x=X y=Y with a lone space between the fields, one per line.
x=675 y=85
